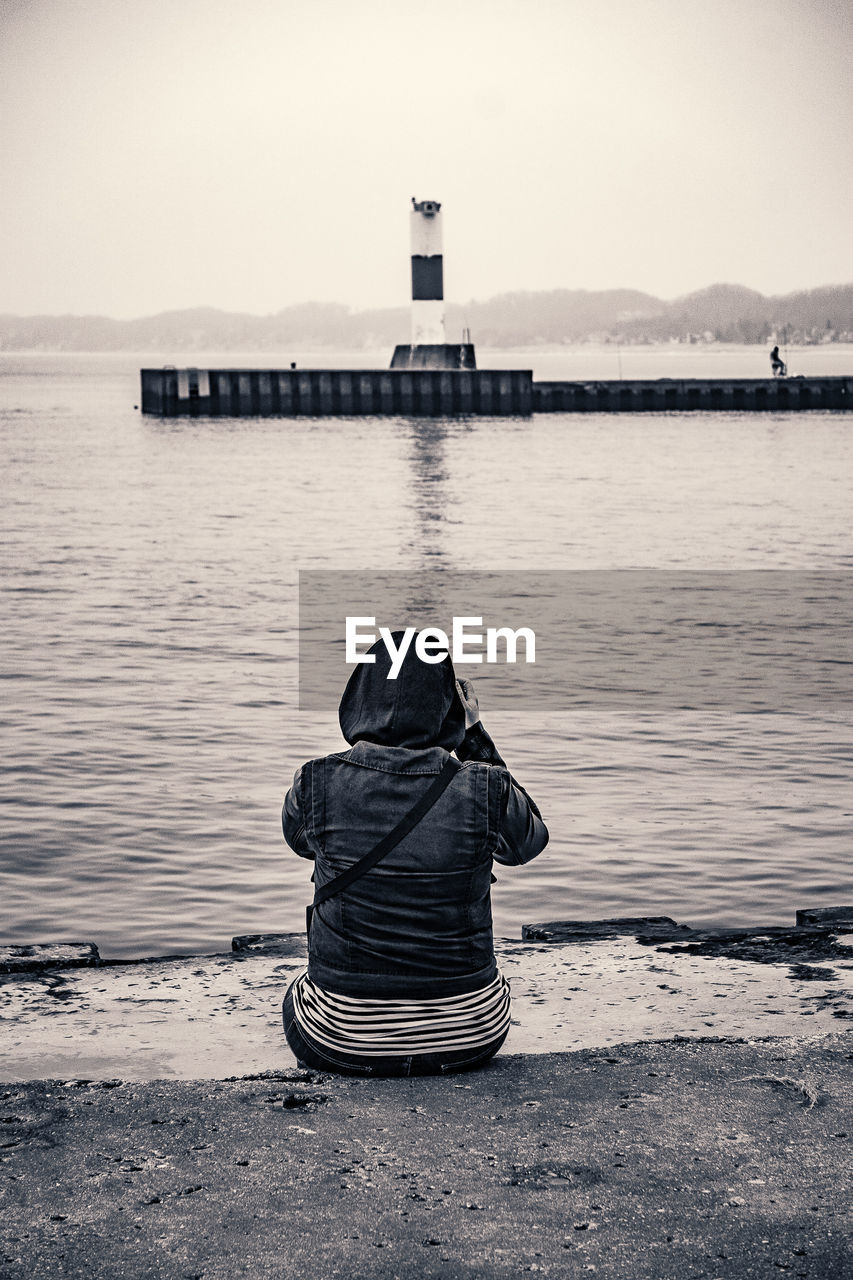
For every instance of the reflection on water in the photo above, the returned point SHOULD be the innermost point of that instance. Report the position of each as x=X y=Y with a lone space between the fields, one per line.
x=428 y=490
x=149 y=709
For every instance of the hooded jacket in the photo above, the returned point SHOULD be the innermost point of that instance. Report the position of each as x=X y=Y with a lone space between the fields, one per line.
x=418 y=924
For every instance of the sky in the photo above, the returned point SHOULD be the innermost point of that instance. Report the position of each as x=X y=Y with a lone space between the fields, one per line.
x=253 y=154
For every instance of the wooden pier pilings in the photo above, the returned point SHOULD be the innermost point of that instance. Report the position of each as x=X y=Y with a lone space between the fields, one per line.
x=344 y=393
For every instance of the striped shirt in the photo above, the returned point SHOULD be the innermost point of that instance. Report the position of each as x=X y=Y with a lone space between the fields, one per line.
x=385 y=1028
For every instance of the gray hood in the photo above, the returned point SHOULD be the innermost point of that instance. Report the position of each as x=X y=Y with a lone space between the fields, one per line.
x=421 y=708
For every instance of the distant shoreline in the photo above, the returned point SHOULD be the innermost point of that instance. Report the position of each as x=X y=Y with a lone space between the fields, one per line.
x=721 y=313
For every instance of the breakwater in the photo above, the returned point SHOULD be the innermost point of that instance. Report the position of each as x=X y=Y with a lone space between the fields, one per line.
x=325 y=393
x=330 y=393
x=751 y=395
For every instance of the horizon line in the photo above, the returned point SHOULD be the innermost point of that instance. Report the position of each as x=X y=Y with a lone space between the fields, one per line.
x=403 y=306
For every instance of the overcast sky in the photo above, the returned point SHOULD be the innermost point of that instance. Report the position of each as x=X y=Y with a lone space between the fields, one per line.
x=250 y=154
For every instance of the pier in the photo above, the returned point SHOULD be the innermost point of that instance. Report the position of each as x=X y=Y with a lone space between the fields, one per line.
x=660 y=395
x=333 y=393
x=450 y=393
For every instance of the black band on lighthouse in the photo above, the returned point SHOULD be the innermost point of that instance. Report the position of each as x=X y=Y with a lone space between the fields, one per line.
x=427 y=278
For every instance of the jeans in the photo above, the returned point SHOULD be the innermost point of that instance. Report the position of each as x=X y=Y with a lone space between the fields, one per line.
x=320 y=1058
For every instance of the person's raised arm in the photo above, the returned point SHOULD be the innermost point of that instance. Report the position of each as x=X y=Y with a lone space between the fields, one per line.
x=293 y=818
x=521 y=832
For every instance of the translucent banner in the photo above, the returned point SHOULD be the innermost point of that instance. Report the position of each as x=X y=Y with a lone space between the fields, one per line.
x=757 y=640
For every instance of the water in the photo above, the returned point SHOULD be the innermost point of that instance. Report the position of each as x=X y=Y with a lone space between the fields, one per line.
x=149 y=707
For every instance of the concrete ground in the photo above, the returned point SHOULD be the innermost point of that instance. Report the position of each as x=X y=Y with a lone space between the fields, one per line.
x=666 y=1109
x=657 y=1161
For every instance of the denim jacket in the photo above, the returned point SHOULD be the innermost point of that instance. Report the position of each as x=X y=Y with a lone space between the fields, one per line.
x=419 y=923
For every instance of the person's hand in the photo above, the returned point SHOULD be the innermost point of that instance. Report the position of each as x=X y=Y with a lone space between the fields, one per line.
x=468 y=698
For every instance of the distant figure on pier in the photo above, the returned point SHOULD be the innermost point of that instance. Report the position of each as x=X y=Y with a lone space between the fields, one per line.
x=401 y=977
x=777 y=364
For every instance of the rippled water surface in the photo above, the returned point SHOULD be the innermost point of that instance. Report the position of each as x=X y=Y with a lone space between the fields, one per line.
x=149 y=644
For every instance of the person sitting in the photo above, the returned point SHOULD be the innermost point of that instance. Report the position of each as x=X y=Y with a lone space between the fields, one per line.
x=777 y=364
x=402 y=978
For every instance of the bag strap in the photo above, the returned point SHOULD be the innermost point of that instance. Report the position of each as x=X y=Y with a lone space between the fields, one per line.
x=393 y=838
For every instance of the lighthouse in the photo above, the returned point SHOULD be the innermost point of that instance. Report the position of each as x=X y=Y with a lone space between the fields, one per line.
x=429 y=348
x=427 y=274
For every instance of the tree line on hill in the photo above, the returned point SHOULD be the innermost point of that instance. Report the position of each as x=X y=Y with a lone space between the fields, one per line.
x=720 y=313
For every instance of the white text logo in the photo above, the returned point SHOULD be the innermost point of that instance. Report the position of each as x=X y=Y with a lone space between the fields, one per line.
x=433 y=645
